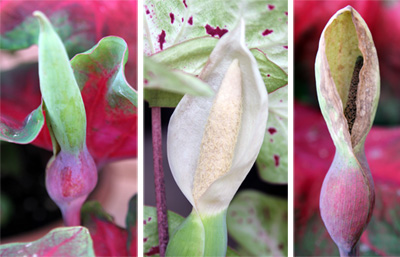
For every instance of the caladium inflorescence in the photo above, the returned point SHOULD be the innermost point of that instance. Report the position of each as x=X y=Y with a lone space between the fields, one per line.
x=347 y=75
x=214 y=141
x=71 y=173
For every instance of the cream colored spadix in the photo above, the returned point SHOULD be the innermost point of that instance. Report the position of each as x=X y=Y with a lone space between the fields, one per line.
x=221 y=132
x=210 y=190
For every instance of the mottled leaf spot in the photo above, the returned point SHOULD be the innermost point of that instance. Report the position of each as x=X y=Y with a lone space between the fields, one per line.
x=215 y=31
x=271 y=7
x=268 y=75
x=183 y=19
x=146 y=81
x=184 y=2
x=161 y=39
x=171 y=15
x=72 y=185
x=286 y=13
x=251 y=211
x=249 y=220
x=233 y=213
x=272 y=130
x=271 y=140
x=145 y=239
x=267 y=32
x=281 y=101
x=149 y=219
x=144 y=222
x=240 y=220
x=190 y=21
x=280 y=246
x=286 y=47
x=153 y=251
x=276 y=158
x=147 y=12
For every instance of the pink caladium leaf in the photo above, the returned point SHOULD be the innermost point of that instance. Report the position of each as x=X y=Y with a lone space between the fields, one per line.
x=67 y=241
x=109 y=102
x=80 y=24
x=108 y=238
x=314 y=146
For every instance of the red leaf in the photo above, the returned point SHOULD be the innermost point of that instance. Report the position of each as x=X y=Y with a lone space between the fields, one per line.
x=108 y=239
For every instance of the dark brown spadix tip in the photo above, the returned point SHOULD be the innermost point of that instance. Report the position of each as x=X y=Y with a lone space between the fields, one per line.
x=351 y=108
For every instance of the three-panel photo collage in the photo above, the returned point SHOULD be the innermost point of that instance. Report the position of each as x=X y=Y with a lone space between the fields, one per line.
x=200 y=128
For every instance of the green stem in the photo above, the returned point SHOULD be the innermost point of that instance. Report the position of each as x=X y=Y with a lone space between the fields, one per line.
x=216 y=239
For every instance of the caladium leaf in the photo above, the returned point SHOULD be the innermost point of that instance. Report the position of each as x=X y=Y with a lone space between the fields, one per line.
x=259 y=223
x=191 y=56
x=169 y=23
x=131 y=226
x=272 y=161
x=13 y=131
x=20 y=30
x=111 y=115
x=108 y=238
x=68 y=241
x=108 y=98
x=157 y=76
x=150 y=230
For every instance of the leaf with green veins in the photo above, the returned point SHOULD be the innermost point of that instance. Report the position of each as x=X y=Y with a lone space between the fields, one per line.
x=272 y=161
x=160 y=77
x=15 y=132
x=111 y=116
x=66 y=241
x=259 y=223
x=173 y=22
x=150 y=231
x=109 y=100
x=274 y=77
x=21 y=29
x=190 y=56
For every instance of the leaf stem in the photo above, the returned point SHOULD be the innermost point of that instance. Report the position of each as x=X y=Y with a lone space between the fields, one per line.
x=159 y=180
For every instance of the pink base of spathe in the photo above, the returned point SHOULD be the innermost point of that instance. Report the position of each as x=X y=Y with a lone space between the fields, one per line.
x=70 y=178
x=346 y=202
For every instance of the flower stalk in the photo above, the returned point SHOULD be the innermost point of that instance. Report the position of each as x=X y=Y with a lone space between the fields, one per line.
x=348 y=81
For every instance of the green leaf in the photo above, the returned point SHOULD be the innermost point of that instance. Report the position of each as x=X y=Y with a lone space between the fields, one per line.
x=150 y=230
x=189 y=56
x=131 y=222
x=12 y=131
x=272 y=161
x=259 y=223
x=21 y=30
x=193 y=19
x=157 y=76
x=66 y=241
x=274 y=77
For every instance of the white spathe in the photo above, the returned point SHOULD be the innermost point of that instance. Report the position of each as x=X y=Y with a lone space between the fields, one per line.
x=187 y=125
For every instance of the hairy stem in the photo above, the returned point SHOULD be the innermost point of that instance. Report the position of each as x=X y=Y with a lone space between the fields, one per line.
x=159 y=180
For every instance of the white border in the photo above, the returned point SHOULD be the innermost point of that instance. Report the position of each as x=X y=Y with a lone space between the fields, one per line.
x=140 y=193
x=290 y=130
